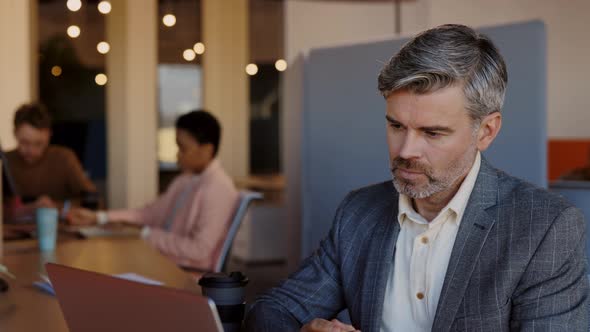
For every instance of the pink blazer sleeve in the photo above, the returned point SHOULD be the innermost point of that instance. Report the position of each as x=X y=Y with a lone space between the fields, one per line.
x=153 y=214
x=213 y=207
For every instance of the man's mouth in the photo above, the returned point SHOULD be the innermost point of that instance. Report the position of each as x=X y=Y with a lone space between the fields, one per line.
x=408 y=173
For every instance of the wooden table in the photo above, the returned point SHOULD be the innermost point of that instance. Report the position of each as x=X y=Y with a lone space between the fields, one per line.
x=25 y=308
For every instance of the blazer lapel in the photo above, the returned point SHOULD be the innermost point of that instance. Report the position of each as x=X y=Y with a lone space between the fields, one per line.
x=473 y=231
x=379 y=265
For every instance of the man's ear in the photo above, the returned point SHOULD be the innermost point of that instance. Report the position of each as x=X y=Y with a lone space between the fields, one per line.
x=488 y=130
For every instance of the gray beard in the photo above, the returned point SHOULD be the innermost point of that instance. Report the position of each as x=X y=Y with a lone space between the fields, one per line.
x=406 y=188
x=435 y=184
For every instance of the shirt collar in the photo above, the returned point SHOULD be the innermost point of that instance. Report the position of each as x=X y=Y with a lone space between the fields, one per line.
x=456 y=205
x=211 y=168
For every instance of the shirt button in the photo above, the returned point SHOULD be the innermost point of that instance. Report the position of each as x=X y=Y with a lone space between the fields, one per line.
x=424 y=240
x=420 y=295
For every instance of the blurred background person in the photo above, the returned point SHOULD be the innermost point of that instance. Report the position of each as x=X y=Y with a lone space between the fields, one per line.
x=189 y=221
x=44 y=175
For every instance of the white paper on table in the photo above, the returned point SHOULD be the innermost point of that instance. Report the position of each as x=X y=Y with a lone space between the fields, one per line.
x=138 y=278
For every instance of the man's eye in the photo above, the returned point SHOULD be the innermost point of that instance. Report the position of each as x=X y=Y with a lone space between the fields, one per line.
x=395 y=125
x=432 y=134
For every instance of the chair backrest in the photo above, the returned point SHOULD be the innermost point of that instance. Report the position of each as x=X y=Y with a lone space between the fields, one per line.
x=246 y=197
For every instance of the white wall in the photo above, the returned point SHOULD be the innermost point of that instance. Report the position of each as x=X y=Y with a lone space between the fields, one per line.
x=131 y=109
x=313 y=24
x=18 y=62
x=226 y=89
x=321 y=24
x=568 y=50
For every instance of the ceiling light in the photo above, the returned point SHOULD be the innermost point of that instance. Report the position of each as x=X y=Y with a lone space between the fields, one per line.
x=189 y=55
x=281 y=65
x=56 y=71
x=103 y=47
x=251 y=69
x=169 y=20
x=104 y=7
x=101 y=79
x=73 y=31
x=199 y=48
x=74 y=5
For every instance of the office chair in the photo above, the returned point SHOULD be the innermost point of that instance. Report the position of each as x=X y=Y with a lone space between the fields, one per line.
x=246 y=197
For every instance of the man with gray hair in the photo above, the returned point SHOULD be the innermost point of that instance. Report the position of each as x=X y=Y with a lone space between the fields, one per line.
x=451 y=244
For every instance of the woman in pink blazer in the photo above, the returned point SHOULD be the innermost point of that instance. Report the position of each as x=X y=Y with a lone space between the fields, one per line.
x=189 y=221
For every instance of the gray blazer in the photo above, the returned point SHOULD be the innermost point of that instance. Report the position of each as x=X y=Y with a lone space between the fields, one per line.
x=518 y=263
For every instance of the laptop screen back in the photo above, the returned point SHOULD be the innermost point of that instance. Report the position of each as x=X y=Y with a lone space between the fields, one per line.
x=96 y=302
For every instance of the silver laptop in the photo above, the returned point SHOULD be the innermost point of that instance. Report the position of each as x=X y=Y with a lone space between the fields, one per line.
x=92 y=301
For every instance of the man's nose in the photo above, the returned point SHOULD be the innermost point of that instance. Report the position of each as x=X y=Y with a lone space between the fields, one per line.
x=411 y=146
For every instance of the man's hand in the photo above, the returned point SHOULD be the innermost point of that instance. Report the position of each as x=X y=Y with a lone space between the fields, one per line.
x=44 y=202
x=81 y=217
x=322 y=325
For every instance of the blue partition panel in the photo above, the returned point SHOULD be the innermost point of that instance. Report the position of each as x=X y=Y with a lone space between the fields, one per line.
x=343 y=128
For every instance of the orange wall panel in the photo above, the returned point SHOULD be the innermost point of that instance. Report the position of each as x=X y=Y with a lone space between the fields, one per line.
x=565 y=155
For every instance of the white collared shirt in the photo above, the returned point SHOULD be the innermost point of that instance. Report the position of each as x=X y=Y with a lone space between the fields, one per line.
x=422 y=255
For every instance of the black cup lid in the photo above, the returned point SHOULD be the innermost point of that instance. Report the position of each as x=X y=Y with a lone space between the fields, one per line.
x=223 y=280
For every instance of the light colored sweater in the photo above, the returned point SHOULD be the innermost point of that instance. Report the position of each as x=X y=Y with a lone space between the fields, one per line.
x=198 y=225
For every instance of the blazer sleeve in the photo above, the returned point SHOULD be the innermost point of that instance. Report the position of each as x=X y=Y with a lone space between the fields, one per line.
x=314 y=291
x=152 y=214
x=553 y=292
x=216 y=209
